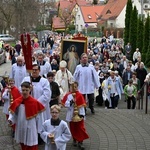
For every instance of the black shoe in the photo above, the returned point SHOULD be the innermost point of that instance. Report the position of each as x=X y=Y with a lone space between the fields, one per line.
x=74 y=143
x=13 y=134
x=40 y=141
x=80 y=145
x=92 y=111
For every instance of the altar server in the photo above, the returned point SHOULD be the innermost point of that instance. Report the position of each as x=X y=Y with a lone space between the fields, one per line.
x=55 y=132
x=26 y=113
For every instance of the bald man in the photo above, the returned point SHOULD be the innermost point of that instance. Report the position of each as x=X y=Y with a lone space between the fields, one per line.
x=18 y=71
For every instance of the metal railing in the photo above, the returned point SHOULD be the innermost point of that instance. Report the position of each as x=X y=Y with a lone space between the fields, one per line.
x=143 y=94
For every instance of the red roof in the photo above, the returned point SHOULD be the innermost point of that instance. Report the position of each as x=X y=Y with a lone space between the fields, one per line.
x=112 y=9
x=57 y=23
x=66 y=4
x=71 y=3
x=91 y=13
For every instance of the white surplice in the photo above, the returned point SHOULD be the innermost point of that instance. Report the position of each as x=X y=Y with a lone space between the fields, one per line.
x=18 y=73
x=70 y=110
x=44 y=69
x=6 y=98
x=26 y=131
x=61 y=135
x=41 y=91
x=87 y=79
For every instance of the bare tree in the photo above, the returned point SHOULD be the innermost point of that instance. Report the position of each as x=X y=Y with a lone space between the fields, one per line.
x=66 y=16
x=26 y=14
x=6 y=14
x=47 y=10
x=18 y=13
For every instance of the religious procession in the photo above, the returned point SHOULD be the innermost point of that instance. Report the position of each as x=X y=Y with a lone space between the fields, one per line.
x=66 y=72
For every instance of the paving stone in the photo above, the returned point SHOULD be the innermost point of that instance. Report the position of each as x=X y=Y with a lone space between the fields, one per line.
x=109 y=129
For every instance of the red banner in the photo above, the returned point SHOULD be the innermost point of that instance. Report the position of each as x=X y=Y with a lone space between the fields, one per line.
x=27 y=51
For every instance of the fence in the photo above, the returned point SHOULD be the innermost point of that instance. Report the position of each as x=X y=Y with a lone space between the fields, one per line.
x=143 y=94
x=89 y=33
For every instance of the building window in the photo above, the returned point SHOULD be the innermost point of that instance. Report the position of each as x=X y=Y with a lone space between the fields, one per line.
x=78 y=17
x=111 y=25
x=76 y=9
x=108 y=12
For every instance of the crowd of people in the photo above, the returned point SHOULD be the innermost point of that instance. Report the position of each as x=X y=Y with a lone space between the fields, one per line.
x=32 y=102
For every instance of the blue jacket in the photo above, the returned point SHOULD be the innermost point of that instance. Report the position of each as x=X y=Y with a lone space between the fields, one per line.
x=118 y=86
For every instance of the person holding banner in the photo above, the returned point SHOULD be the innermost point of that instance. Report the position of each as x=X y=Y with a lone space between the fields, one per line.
x=40 y=86
x=40 y=91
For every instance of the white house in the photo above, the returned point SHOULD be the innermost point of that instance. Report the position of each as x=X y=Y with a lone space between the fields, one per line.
x=114 y=13
x=86 y=16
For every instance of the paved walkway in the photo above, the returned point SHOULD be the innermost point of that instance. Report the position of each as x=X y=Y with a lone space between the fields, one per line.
x=108 y=129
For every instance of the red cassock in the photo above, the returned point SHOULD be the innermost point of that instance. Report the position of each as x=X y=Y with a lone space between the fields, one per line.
x=25 y=147
x=77 y=129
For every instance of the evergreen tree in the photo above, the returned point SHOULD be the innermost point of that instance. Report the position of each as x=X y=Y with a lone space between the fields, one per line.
x=95 y=2
x=127 y=21
x=133 y=29
x=147 y=60
x=146 y=38
x=140 y=27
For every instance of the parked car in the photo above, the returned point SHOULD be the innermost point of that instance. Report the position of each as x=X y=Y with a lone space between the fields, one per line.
x=37 y=50
x=7 y=38
x=3 y=56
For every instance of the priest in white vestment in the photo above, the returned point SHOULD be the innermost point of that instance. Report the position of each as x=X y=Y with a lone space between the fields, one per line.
x=87 y=78
x=40 y=89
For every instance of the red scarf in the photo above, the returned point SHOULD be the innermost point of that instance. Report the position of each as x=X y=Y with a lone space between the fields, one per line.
x=80 y=101
x=32 y=106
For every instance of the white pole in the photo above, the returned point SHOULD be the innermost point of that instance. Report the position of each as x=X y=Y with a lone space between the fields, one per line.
x=142 y=9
